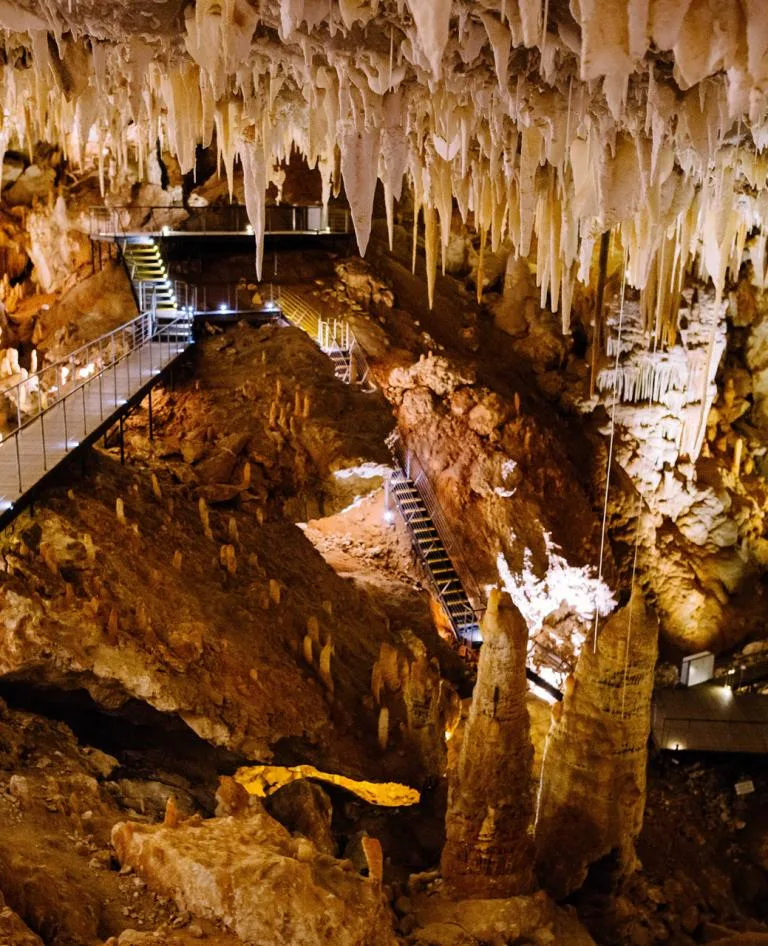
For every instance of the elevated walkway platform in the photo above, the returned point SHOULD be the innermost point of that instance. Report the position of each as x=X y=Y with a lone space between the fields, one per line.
x=65 y=406
x=709 y=718
x=282 y=220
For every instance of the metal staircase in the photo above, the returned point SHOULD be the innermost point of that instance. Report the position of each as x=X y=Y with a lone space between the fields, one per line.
x=438 y=553
x=416 y=503
x=154 y=291
x=333 y=336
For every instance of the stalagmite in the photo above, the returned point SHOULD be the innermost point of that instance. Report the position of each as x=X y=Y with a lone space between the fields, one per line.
x=120 y=511
x=737 y=450
x=156 y=488
x=324 y=666
x=374 y=857
x=202 y=508
x=592 y=792
x=383 y=728
x=489 y=846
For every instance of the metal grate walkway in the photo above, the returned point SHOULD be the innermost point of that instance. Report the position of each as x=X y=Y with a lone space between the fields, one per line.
x=63 y=406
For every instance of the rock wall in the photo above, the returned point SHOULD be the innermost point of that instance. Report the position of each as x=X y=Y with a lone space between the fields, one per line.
x=592 y=792
x=488 y=850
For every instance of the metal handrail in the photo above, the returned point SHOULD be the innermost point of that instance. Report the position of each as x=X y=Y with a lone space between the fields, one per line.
x=204 y=305
x=413 y=469
x=232 y=218
x=335 y=336
x=60 y=381
x=65 y=370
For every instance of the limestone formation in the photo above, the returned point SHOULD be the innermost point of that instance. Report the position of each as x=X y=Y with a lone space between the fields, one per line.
x=592 y=793
x=489 y=847
x=266 y=886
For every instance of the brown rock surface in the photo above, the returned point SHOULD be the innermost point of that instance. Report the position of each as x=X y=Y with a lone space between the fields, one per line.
x=533 y=919
x=215 y=648
x=304 y=808
x=489 y=848
x=57 y=808
x=13 y=931
x=592 y=792
x=266 y=886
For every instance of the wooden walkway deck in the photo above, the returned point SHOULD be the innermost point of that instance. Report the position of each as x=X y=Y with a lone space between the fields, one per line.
x=29 y=455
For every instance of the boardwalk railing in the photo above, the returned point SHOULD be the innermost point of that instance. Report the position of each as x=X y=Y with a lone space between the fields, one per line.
x=110 y=222
x=415 y=472
x=54 y=408
x=333 y=336
x=337 y=340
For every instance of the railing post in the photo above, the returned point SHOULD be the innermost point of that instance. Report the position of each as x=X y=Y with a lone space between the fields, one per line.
x=18 y=461
x=42 y=437
x=66 y=429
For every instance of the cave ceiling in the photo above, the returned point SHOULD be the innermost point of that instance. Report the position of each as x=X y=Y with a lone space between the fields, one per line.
x=545 y=123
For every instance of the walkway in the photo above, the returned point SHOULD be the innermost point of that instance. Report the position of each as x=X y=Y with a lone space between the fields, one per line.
x=111 y=223
x=64 y=406
x=709 y=718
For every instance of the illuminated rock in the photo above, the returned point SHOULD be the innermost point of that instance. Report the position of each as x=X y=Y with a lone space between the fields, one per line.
x=489 y=847
x=592 y=792
x=250 y=874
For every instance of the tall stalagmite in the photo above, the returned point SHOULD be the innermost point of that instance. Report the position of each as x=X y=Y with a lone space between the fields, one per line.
x=489 y=846
x=592 y=791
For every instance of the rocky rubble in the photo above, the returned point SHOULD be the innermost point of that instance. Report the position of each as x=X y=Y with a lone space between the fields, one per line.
x=293 y=436
x=58 y=802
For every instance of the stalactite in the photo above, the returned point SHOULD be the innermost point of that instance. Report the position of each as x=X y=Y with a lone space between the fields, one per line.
x=547 y=154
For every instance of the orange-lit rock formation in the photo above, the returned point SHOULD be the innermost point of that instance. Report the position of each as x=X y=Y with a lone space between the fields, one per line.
x=489 y=850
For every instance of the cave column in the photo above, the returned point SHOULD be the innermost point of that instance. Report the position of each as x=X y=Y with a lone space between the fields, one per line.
x=592 y=792
x=489 y=847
